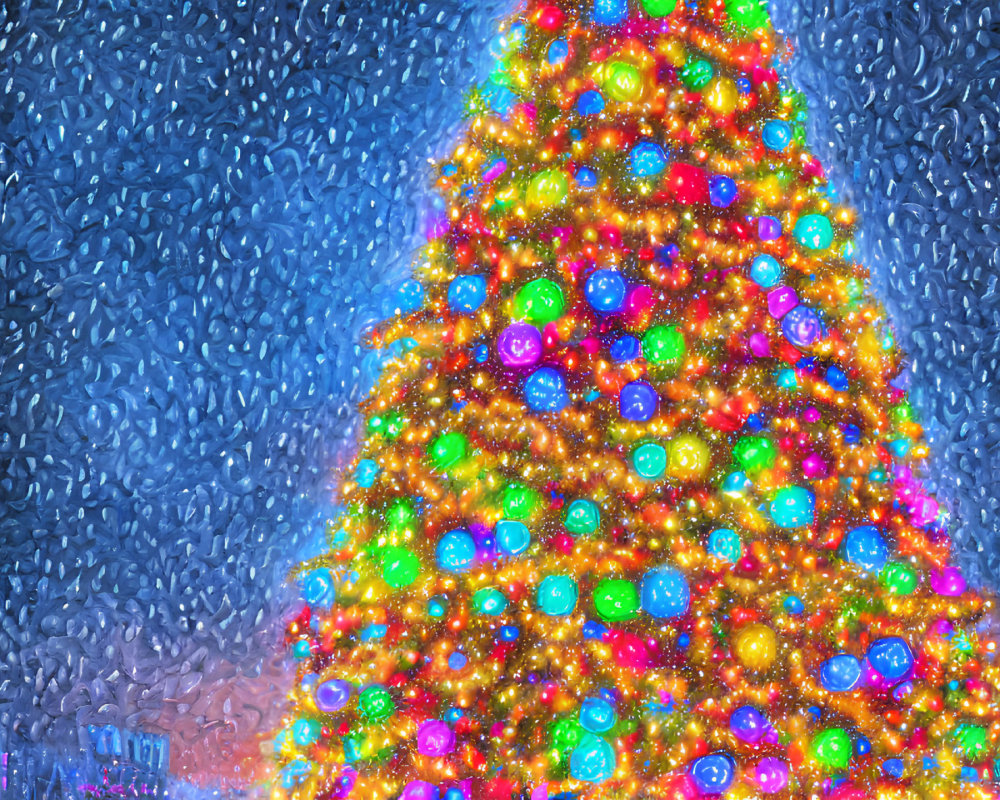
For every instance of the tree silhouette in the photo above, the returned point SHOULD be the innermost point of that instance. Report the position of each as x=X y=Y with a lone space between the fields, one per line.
x=638 y=511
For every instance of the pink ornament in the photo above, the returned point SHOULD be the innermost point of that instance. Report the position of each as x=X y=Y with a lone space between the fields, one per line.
x=771 y=774
x=924 y=510
x=759 y=345
x=435 y=738
x=813 y=466
x=948 y=582
x=781 y=300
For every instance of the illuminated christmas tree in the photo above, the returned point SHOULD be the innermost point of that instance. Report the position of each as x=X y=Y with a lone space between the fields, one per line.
x=638 y=513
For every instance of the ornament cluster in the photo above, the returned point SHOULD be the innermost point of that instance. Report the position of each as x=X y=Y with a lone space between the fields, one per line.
x=638 y=513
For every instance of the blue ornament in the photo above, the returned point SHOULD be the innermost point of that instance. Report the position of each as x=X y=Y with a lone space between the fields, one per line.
x=890 y=657
x=593 y=759
x=610 y=12
x=865 y=547
x=605 y=290
x=410 y=296
x=802 y=326
x=558 y=52
x=597 y=715
x=332 y=695
x=512 y=537
x=893 y=767
x=863 y=746
x=647 y=159
x=841 y=673
x=457 y=660
x=466 y=293
x=721 y=191
x=776 y=134
x=793 y=605
x=765 y=271
x=665 y=593
x=545 y=390
x=586 y=178
x=509 y=633
x=748 y=724
x=455 y=551
x=317 y=588
x=713 y=774
x=589 y=103
x=625 y=348
x=836 y=378
x=501 y=98
x=638 y=401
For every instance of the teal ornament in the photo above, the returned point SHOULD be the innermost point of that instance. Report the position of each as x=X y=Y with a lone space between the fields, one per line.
x=814 y=232
x=793 y=507
x=593 y=760
x=557 y=595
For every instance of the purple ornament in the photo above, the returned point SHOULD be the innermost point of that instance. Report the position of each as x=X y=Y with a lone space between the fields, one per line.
x=771 y=774
x=519 y=345
x=948 y=582
x=759 y=345
x=781 y=300
x=419 y=790
x=435 y=738
x=332 y=695
x=768 y=228
x=748 y=724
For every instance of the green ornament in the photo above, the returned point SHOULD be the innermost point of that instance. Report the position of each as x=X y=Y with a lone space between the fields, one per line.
x=616 y=600
x=623 y=82
x=448 y=449
x=401 y=517
x=754 y=453
x=489 y=601
x=663 y=344
x=697 y=73
x=832 y=748
x=390 y=424
x=548 y=189
x=899 y=578
x=519 y=502
x=748 y=14
x=814 y=232
x=659 y=8
x=971 y=740
x=902 y=413
x=375 y=704
x=540 y=301
x=400 y=566
x=557 y=595
x=566 y=734
x=582 y=517
x=650 y=460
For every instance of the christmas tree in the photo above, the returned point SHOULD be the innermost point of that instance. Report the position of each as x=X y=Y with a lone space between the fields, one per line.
x=638 y=511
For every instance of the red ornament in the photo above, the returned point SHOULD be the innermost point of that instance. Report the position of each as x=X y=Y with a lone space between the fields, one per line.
x=687 y=183
x=549 y=18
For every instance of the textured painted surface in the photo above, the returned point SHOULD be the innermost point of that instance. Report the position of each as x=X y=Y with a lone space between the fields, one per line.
x=206 y=203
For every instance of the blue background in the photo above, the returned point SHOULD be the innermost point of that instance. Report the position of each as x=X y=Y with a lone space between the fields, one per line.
x=204 y=206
